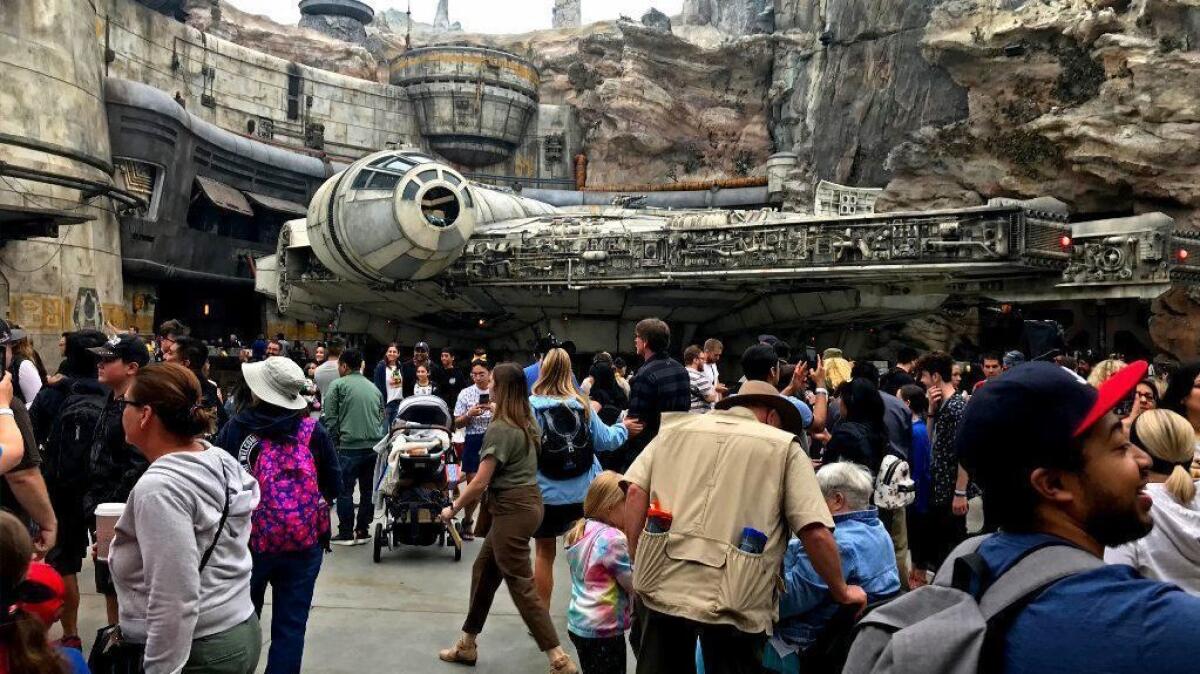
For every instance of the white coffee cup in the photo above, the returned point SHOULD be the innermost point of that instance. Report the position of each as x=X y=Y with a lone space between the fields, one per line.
x=107 y=515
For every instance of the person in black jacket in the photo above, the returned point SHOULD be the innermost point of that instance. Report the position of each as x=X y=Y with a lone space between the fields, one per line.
x=409 y=371
x=71 y=468
x=193 y=354
x=860 y=435
x=454 y=378
x=115 y=464
x=276 y=412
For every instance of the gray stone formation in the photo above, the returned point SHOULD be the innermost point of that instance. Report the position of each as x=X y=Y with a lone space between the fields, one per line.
x=736 y=17
x=441 y=19
x=812 y=89
x=344 y=20
x=338 y=27
x=567 y=14
x=657 y=20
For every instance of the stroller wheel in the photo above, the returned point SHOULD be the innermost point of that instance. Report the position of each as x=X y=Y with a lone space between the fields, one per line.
x=378 y=542
x=457 y=548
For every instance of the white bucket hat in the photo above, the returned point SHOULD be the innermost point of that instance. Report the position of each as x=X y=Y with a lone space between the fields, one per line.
x=277 y=381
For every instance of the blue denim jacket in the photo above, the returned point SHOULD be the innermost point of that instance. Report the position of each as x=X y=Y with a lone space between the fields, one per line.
x=868 y=560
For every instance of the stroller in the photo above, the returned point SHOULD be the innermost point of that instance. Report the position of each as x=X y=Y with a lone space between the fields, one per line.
x=410 y=478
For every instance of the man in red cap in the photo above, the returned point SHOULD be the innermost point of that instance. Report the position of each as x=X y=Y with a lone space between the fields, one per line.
x=1056 y=468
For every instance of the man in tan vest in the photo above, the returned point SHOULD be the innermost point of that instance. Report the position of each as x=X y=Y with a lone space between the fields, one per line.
x=736 y=485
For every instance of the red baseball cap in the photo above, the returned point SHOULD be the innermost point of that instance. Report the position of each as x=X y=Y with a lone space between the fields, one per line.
x=41 y=593
x=1111 y=392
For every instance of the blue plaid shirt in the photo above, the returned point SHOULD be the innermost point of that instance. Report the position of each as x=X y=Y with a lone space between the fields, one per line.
x=661 y=385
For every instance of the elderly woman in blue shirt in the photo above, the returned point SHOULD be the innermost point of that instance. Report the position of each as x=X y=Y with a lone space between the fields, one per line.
x=868 y=560
x=557 y=400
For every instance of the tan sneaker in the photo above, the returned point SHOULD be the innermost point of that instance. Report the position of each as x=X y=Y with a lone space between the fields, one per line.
x=461 y=653
x=563 y=665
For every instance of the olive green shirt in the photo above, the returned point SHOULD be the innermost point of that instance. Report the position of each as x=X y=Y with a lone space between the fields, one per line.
x=516 y=457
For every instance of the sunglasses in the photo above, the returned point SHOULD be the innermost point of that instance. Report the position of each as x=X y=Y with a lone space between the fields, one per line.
x=126 y=402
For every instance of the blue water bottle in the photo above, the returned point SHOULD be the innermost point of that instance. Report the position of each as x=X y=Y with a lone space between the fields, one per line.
x=753 y=541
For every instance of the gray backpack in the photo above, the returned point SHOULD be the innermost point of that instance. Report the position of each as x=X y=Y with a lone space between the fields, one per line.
x=943 y=628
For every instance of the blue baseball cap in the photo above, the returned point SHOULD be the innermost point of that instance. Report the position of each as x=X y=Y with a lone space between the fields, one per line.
x=1033 y=411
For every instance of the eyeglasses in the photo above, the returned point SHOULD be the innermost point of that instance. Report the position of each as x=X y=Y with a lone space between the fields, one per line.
x=1144 y=396
x=126 y=402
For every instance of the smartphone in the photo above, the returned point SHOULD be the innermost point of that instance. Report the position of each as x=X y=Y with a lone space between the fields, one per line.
x=485 y=398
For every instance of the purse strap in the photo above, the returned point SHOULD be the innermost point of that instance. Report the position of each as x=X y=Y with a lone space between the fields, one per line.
x=220 y=525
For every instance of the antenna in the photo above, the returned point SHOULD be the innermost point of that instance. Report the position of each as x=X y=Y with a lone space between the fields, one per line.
x=408 y=35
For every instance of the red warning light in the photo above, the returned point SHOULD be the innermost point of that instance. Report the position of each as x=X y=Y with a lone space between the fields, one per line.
x=1065 y=241
x=1183 y=254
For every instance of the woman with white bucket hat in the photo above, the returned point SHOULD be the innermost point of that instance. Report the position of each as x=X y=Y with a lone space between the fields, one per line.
x=295 y=462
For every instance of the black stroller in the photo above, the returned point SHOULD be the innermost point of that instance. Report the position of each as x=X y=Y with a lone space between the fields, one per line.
x=411 y=485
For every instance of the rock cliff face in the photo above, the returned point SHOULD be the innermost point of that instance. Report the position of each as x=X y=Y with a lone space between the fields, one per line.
x=851 y=83
x=1092 y=102
x=654 y=107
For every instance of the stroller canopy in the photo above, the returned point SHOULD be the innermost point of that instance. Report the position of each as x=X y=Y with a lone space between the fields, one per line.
x=425 y=409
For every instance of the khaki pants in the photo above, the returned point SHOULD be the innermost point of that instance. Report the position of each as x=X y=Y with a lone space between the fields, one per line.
x=516 y=514
x=896 y=522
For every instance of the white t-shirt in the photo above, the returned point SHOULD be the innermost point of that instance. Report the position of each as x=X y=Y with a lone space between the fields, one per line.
x=29 y=381
x=714 y=376
x=394 y=383
x=426 y=390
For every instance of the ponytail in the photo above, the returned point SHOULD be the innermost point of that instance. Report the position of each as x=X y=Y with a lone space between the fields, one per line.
x=576 y=532
x=1181 y=485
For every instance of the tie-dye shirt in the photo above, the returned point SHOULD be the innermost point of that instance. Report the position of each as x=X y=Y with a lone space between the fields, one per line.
x=601 y=583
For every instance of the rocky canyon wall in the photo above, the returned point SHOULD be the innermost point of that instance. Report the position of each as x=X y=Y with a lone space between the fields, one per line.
x=850 y=83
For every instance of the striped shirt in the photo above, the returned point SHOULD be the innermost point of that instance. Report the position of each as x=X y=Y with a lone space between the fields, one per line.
x=700 y=386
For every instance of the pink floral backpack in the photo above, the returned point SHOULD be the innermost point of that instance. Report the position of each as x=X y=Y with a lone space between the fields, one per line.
x=291 y=515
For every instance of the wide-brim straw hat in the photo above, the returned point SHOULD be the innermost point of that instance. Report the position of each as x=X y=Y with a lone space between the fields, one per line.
x=756 y=392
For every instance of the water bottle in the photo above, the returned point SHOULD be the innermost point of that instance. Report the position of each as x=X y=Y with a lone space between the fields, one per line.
x=658 y=521
x=753 y=541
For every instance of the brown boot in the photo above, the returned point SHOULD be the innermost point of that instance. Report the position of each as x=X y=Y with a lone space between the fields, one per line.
x=461 y=653
x=563 y=665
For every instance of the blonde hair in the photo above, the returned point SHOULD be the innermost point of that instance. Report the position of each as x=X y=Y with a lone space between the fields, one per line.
x=1103 y=370
x=603 y=495
x=557 y=381
x=837 y=370
x=1168 y=436
x=512 y=403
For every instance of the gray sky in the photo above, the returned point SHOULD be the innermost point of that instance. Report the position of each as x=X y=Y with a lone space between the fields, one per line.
x=480 y=16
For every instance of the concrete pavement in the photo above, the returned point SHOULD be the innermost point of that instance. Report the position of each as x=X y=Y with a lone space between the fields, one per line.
x=396 y=615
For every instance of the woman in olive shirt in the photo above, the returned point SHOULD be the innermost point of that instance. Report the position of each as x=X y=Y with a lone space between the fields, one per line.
x=508 y=471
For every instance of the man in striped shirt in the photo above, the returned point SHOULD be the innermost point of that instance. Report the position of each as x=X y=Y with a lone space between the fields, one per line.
x=701 y=390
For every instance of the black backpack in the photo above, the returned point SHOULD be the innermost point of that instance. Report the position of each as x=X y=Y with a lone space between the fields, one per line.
x=68 y=450
x=567 y=448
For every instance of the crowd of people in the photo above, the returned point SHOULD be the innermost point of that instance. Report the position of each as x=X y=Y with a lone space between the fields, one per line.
x=763 y=524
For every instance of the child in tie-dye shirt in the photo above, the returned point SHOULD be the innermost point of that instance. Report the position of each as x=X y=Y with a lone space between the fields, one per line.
x=601 y=579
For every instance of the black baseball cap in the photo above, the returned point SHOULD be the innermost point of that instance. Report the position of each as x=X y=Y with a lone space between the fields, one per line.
x=421 y=346
x=129 y=348
x=10 y=333
x=1032 y=411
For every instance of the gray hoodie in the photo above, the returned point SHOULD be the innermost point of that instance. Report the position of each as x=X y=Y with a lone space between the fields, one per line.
x=1171 y=551
x=168 y=523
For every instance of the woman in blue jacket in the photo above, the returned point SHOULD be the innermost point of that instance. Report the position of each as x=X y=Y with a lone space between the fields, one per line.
x=571 y=429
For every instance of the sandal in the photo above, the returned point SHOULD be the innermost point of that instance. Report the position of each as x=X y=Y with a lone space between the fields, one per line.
x=461 y=654
x=563 y=665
